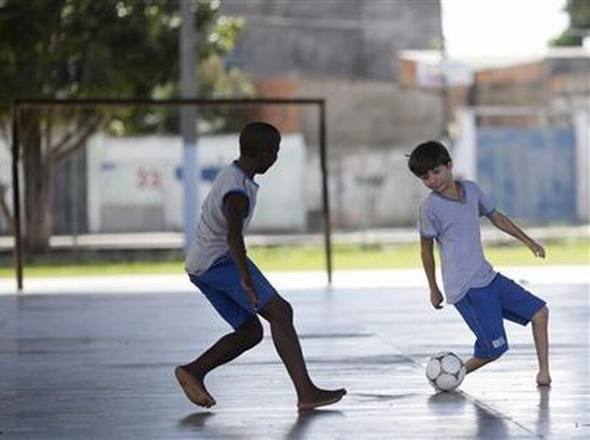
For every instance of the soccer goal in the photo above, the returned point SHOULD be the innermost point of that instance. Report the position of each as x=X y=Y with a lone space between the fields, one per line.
x=95 y=174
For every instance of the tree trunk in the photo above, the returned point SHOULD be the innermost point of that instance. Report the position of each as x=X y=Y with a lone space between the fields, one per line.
x=38 y=181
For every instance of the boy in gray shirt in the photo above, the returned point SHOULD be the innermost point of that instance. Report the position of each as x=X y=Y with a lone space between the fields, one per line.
x=484 y=298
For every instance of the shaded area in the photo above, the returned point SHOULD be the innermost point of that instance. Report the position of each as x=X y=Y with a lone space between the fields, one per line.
x=100 y=366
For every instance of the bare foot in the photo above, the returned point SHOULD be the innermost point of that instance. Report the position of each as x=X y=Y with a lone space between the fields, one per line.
x=543 y=379
x=193 y=388
x=321 y=398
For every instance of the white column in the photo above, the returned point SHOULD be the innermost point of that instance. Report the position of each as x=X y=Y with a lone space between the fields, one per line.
x=465 y=152
x=582 y=130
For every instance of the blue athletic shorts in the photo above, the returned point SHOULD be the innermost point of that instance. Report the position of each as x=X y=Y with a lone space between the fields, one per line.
x=485 y=308
x=221 y=285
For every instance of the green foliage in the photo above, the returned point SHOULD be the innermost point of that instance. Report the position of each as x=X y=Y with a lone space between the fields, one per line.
x=109 y=48
x=579 y=14
x=70 y=49
x=84 y=48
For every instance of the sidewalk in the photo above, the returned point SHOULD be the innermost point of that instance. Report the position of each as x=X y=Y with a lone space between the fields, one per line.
x=288 y=281
x=175 y=240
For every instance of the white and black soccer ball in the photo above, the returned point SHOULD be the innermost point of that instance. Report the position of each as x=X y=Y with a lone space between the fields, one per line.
x=445 y=371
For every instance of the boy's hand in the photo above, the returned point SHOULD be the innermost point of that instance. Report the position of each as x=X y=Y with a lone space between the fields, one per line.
x=537 y=249
x=436 y=299
x=248 y=287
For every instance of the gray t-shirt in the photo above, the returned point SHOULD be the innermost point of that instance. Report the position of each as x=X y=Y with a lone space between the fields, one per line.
x=455 y=226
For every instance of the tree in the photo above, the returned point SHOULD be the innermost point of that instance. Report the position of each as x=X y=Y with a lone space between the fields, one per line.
x=579 y=27
x=85 y=49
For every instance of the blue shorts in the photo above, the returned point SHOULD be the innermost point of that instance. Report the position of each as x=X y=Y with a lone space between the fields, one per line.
x=485 y=308
x=221 y=285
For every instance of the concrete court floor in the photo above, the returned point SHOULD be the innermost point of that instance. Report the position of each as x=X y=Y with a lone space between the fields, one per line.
x=100 y=367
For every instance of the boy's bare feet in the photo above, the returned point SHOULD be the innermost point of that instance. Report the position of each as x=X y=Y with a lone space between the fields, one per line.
x=543 y=379
x=321 y=398
x=193 y=388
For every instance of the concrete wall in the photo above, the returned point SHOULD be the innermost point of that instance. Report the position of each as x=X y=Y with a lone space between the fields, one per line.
x=368 y=189
x=562 y=77
x=374 y=114
x=332 y=38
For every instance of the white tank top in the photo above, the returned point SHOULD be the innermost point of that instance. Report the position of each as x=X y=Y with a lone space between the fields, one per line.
x=209 y=242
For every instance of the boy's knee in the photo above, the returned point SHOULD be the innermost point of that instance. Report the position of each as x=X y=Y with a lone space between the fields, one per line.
x=541 y=316
x=251 y=332
x=277 y=311
x=286 y=310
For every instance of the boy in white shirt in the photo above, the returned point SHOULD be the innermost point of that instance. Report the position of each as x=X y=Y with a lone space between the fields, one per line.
x=217 y=264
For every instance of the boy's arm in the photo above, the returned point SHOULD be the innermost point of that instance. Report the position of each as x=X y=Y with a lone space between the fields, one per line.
x=427 y=255
x=503 y=223
x=235 y=209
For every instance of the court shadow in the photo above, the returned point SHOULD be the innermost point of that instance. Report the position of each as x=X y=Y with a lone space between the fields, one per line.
x=305 y=420
x=195 y=420
x=445 y=404
x=382 y=397
x=488 y=425
x=544 y=412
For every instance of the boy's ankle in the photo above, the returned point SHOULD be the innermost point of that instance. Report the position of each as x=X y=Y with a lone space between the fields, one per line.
x=543 y=378
x=194 y=371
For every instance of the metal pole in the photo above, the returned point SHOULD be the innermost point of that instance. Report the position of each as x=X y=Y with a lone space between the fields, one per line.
x=325 y=193
x=18 y=242
x=126 y=102
x=444 y=91
x=74 y=195
x=188 y=120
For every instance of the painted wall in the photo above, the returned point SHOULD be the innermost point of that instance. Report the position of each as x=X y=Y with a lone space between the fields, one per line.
x=540 y=175
x=134 y=184
x=531 y=172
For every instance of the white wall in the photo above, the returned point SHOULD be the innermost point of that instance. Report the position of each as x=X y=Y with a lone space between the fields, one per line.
x=373 y=188
x=135 y=184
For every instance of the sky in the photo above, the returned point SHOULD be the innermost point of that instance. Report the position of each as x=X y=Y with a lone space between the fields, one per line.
x=495 y=28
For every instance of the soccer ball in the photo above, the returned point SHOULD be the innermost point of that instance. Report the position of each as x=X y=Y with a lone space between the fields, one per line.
x=445 y=371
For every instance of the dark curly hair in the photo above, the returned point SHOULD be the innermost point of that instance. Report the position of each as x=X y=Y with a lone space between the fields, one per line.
x=427 y=156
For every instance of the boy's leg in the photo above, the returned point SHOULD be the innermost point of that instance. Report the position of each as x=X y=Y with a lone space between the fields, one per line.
x=279 y=314
x=216 y=284
x=540 y=335
x=482 y=311
x=474 y=363
x=224 y=350
x=227 y=348
x=521 y=306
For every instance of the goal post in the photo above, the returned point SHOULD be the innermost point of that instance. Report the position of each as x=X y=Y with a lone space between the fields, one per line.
x=19 y=105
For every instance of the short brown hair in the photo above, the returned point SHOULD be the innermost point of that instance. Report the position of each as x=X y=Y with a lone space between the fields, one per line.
x=427 y=156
